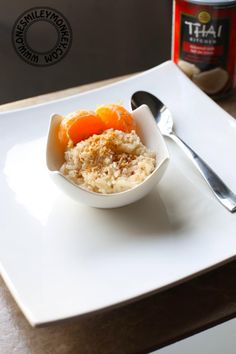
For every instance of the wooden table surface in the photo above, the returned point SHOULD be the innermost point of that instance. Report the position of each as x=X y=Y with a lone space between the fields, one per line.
x=138 y=327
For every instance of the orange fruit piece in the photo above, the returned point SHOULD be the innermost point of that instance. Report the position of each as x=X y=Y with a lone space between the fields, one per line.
x=116 y=117
x=80 y=125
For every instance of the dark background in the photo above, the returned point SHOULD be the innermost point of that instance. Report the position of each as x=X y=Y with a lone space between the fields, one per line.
x=110 y=38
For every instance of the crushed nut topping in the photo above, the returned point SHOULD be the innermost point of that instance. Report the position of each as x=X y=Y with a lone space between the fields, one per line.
x=111 y=162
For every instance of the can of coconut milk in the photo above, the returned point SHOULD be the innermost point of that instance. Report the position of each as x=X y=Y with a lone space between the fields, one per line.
x=204 y=43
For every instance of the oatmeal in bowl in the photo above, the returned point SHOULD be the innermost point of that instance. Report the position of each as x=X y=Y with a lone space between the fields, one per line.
x=108 y=158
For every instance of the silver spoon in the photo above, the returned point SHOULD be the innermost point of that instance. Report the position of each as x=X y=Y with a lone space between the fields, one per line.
x=165 y=122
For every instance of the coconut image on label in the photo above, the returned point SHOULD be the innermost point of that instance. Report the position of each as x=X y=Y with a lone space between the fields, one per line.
x=188 y=68
x=211 y=81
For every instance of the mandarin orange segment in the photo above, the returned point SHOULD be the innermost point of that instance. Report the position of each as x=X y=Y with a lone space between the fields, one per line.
x=80 y=125
x=116 y=117
x=62 y=133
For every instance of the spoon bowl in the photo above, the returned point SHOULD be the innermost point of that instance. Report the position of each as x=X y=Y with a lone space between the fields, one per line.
x=160 y=112
x=150 y=137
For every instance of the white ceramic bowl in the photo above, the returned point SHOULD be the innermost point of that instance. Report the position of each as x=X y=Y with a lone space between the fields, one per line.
x=151 y=138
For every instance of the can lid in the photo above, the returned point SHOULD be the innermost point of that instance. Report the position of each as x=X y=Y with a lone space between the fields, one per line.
x=213 y=2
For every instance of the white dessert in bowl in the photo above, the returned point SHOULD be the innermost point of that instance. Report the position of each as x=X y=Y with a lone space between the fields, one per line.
x=150 y=147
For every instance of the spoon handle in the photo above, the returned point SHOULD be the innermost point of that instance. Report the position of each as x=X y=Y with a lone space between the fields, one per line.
x=225 y=196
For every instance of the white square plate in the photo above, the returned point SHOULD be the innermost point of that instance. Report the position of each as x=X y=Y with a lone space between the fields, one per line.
x=61 y=259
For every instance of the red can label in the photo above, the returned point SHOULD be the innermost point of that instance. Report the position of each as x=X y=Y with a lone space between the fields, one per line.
x=204 y=45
